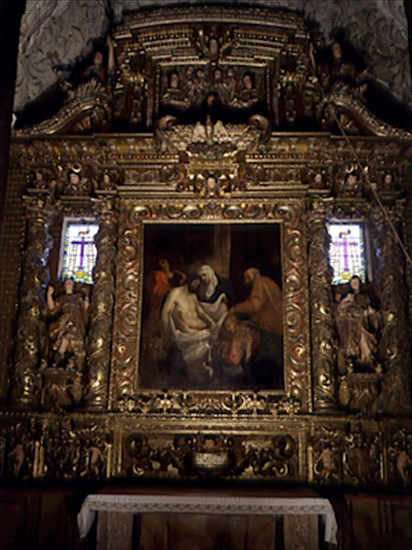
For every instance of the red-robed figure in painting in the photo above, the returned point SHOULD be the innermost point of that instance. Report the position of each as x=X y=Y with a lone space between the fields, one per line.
x=160 y=283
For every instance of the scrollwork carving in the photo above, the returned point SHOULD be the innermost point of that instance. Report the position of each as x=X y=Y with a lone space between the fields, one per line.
x=354 y=115
x=322 y=322
x=101 y=309
x=125 y=375
x=218 y=456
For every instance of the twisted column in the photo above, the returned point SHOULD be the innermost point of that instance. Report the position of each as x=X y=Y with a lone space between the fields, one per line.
x=321 y=306
x=31 y=329
x=101 y=307
x=394 y=345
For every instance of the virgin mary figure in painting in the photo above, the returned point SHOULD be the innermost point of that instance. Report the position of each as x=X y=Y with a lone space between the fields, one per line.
x=214 y=293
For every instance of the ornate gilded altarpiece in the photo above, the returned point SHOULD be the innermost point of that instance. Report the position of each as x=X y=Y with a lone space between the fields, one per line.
x=186 y=133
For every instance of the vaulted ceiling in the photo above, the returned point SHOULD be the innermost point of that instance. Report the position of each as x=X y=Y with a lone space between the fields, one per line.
x=58 y=32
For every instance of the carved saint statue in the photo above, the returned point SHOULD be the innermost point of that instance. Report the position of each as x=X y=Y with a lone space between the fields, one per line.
x=175 y=95
x=247 y=94
x=67 y=331
x=358 y=324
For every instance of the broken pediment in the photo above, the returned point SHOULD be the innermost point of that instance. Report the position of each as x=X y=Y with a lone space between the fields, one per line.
x=227 y=65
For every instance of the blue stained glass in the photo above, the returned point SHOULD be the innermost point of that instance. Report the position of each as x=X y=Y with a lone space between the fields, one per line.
x=78 y=250
x=347 y=251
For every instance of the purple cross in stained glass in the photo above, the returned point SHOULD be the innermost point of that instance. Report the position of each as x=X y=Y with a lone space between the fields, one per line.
x=83 y=242
x=345 y=243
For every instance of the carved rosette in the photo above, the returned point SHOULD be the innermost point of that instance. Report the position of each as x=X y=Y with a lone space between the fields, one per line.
x=31 y=335
x=101 y=308
x=125 y=374
x=394 y=343
x=322 y=322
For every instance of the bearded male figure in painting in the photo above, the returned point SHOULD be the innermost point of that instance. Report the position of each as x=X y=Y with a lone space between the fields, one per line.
x=263 y=311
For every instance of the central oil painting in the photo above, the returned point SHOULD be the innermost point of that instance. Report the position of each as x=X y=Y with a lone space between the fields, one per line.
x=212 y=315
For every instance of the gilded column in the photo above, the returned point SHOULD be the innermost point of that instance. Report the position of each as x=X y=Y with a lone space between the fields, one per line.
x=321 y=305
x=394 y=343
x=101 y=308
x=31 y=329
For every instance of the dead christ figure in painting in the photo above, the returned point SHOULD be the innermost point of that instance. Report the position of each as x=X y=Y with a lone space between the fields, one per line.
x=187 y=331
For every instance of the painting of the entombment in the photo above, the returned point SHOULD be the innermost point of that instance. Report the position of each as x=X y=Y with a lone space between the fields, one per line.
x=212 y=315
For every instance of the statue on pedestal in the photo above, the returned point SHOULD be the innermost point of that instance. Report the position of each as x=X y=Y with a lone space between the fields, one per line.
x=67 y=331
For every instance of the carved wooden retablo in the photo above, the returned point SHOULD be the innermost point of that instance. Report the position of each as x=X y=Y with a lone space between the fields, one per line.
x=213 y=146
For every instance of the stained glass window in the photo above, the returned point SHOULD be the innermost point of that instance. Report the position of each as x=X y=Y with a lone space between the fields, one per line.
x=78 y=251
x=347 y=251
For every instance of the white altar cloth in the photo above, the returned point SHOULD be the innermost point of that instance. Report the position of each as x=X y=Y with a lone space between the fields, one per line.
x=206 y=504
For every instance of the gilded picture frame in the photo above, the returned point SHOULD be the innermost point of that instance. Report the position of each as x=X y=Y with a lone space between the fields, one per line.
x=126 y=391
